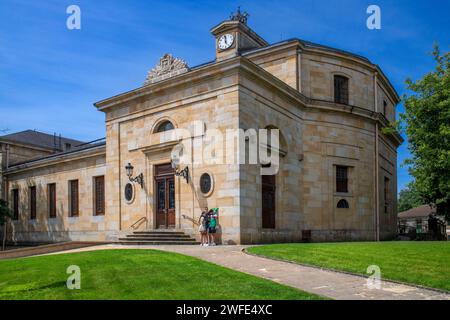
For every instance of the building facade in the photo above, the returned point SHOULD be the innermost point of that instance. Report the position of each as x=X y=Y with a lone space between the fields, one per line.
x=336 y=177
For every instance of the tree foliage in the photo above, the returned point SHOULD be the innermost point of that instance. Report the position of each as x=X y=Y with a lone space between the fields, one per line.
x=427 y=120
x=409 y=198
x=5 y=212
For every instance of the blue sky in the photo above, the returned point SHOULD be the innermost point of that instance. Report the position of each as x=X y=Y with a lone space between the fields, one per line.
x=50 y=76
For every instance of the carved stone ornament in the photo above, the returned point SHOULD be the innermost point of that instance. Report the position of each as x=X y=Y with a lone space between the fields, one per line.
x=168 y=67
x=239 y=16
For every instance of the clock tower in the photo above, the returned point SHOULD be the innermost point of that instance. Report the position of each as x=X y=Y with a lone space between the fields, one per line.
x=233 y=36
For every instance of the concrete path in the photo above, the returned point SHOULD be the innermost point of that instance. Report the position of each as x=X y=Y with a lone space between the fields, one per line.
x=331 y=284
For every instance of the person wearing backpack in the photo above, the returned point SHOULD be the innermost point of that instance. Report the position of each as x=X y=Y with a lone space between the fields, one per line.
x=203 y=228
x=213 y=216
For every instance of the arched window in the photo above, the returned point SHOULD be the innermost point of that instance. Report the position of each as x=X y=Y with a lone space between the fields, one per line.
x=164 y=126
x=340 y=89
x=342 y=204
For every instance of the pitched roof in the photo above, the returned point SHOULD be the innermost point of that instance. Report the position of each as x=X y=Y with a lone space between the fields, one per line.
x=84 y=147
x=39 y=139
x=419 y=212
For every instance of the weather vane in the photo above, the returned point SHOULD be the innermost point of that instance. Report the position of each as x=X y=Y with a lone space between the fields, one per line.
x=238 y=16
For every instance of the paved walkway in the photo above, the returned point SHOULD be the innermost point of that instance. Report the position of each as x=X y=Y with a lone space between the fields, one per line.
x=322 y=282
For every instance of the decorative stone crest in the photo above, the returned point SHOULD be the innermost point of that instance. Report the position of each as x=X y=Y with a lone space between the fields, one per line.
x=168 y=67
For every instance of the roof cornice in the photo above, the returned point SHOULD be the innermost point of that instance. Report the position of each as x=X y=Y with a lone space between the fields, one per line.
x=307 y=102
x=193 y=75
x=323 y=50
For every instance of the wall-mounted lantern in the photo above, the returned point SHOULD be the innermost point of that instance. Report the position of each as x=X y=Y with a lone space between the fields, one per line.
x=138 y=179
x=181 y=173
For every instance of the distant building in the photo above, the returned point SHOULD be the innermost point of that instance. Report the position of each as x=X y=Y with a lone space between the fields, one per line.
x=27 y=145
x=421 y=220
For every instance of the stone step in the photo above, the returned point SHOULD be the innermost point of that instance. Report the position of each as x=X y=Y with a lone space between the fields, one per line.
x=158 y=232
x=156 y=239
x=169 y=235
x=134 y=242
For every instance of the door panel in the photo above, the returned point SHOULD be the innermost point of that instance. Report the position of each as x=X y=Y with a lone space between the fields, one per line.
x=161 y=203
x=165 y=196
x=171 y=202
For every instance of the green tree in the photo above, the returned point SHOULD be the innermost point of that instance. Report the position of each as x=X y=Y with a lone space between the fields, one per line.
x=427 y=120
x=5 y=215
x=409 y=198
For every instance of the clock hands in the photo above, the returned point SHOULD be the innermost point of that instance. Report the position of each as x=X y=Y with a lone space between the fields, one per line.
x=225 y=41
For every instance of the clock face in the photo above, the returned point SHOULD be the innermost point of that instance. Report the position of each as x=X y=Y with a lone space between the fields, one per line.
x=226 y=41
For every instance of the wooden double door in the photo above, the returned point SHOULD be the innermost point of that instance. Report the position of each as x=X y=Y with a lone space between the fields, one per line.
x=165 y=196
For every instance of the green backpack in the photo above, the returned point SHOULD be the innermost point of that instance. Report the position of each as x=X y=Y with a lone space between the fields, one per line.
x=213 y=221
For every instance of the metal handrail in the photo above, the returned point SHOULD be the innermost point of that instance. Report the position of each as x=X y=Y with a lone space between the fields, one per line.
x=139 y=220
x=190 y=219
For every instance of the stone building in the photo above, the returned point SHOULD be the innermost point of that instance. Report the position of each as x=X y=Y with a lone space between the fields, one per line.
x=27 y=145
x=337 y=177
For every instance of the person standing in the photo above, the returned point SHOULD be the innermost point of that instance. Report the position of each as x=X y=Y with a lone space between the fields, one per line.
x=212 y=226
x=203 y=227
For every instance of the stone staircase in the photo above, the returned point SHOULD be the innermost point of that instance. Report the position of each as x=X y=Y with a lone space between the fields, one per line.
x=157 y=237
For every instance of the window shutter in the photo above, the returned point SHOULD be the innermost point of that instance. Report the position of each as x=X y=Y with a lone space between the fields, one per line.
x=341 y=179
x=52 y=200
x=344 y=92
x=16 y=204
x=33 y=202
x=337 y=90
x=99 y=195
x=74 y=199
x=340 y=89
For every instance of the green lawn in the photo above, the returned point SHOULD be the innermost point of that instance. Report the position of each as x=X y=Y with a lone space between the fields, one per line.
x=134 y=274
x=423 y=263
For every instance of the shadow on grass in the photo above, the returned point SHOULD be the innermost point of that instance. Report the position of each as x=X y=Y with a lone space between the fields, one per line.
x=31 y=288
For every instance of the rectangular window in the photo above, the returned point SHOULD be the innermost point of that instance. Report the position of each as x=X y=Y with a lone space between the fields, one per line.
x=268 y=201
x=341 y=89
x=386 y=195
x=99 y=195
x=385 y=108
x=32 y=191
x=51 y=196
x=15 y=201
x=73 y=198
x=341 y=179
x=418 y=226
